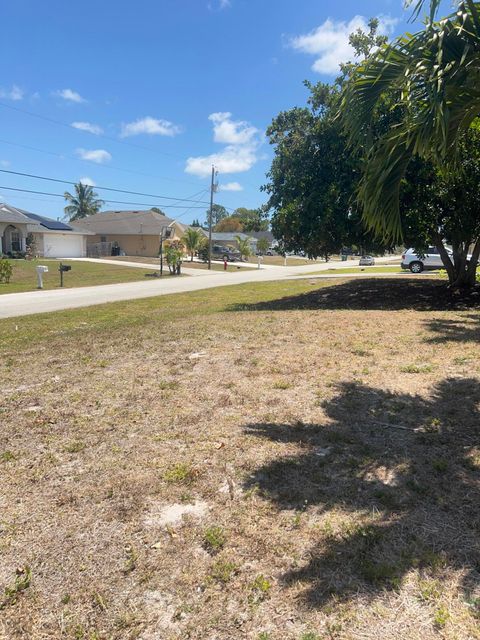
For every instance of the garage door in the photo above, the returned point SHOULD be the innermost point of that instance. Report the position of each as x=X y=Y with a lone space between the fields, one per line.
x=62 y=245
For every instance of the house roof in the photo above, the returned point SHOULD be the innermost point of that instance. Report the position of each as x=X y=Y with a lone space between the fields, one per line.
x=224 y=236
x=48 y=223
x=262 y=234
x=125 y=223
x=36 y=223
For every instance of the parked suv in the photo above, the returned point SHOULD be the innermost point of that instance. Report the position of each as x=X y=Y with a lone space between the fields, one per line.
x=224 y=253
x=417 y=262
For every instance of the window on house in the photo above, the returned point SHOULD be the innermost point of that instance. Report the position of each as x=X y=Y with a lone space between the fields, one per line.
x=103 y=238
x=16 y=241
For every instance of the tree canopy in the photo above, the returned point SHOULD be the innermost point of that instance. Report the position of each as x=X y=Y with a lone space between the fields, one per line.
x=85 y=202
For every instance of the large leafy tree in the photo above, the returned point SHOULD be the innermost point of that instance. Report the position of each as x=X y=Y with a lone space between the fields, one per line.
x=85 y=202
x=442 y=205
x=252 y=219
x=314 y=174
x=434 y=78
x=218 y=213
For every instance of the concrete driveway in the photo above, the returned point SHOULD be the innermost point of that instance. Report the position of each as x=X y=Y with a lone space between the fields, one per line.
x=21 y=304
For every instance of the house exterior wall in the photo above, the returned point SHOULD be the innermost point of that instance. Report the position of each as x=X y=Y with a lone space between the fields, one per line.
x=131 y=245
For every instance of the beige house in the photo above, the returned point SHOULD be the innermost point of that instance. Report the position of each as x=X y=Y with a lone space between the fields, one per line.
x=50 y=238
x=127 y=233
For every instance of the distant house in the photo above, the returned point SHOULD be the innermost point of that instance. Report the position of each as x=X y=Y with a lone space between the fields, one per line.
x=230 y=238
x=268 y=235
x=129 y=233
x=51 y=238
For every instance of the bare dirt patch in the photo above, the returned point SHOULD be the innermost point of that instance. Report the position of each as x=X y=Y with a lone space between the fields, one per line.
x=337 y=449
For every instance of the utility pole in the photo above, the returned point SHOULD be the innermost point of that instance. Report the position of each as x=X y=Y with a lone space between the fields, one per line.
x=212 y=191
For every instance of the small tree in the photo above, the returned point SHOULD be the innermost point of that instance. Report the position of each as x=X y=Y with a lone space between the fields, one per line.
x=262 y=245
x=6 y=270
x=244 y=247
x=174 y=255
x=191 y=240
x=203 y=250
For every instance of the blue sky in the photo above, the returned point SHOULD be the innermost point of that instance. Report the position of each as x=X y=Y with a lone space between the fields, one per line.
x=153 y=91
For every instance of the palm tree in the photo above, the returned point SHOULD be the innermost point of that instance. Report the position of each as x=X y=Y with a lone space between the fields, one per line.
x=84 y=203
x=435 y=76
x=244 y=246
x=191 y=239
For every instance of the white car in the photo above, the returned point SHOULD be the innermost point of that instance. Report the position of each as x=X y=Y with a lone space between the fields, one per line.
x=417 y=262
x=366 y=261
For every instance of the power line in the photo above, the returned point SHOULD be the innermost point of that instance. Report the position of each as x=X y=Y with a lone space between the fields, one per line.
x=134 y=193
x=62 y=156
x=137 y=204
x=97 y=135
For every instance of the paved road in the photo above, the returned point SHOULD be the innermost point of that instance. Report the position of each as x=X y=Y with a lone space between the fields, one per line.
x=21 y=304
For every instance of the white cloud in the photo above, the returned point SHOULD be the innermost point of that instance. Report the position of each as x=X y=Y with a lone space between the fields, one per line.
x=231 y=186
x=228 y=131
x=94 y=155
x=242 y=141
x=87 y=181
x=14 y=93
x=218 y=5
x=150 y=126
x=329 y=42
x=88 y=126
x=69 y=95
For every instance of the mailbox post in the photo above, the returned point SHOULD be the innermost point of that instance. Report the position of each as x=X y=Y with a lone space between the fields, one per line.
x=41 y=269
x=62 y=268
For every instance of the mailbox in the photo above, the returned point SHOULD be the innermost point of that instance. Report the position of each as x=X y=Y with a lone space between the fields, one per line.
x=62 y=268
x=41 y=269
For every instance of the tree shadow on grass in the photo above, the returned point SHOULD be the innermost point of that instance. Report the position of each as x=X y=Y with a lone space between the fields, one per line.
x=396 y=478
x=422 y=294
x=462 y=329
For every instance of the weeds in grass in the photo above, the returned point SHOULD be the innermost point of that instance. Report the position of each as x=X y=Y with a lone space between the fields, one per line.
x=259 y=589
x=429 y=590
x=214 y=539
x=23 y=579
x=7 y=456
x=75 y=447
x=310 y=635
x=167 y=385
x=417 y=368
x=223 y=571
x=181 y=473
x=442 y=616
x=283 y=385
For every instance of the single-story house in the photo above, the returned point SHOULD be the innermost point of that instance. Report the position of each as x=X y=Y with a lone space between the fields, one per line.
x=230 y=238
x=129 y=233
x=267 y=235
x=50 y=238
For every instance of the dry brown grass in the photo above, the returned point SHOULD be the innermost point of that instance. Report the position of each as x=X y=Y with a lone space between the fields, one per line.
x=326 y=462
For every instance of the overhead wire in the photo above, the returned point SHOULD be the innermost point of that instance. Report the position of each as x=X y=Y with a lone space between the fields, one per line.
x=71 y=182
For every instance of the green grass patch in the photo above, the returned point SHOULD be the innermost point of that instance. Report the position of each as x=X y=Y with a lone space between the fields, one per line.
x=83 y=274
x=118 y=317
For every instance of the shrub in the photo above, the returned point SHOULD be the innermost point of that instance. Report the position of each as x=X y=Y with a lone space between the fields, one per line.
x=6 y=270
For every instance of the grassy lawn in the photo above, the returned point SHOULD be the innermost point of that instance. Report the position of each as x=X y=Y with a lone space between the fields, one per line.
x=186 y=264
x=395 y=269
x=83 y=274
x=277 y=461
x=280 y=261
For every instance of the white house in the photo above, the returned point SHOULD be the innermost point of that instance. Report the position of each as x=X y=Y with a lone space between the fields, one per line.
x=52 y=239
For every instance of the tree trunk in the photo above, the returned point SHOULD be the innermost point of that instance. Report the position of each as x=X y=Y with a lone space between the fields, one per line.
x=461 y=272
